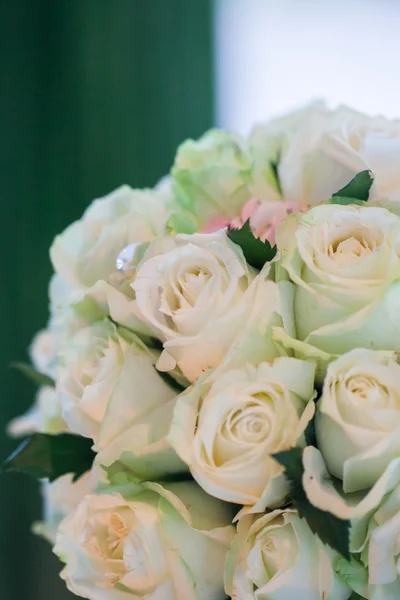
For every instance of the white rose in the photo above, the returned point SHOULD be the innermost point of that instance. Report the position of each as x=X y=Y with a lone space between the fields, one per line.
x=227 y=427
x=158 y=544
x=44 y=416
x=295 y=143
x=60 y=498
x=193 y=291
x=345 y=262
x=355 y=145
x=98 y=361
x=43 y=352
x=84 y=256
x=277 y=557
x=210 y=179
x=133 y=432
x=358 y=417
x=87 y=250
x=378 y=552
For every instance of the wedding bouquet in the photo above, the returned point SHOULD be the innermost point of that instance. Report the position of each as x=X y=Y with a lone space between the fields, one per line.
x=218 y=412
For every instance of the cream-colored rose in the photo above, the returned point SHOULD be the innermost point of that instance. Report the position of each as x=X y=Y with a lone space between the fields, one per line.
x=44 y=416
x=295 y=144
x=277 y=557
x=133 y=432
x=358 y=417
x=210 y=179
x=43 y=352
x=373 y=572
x=227 y=426
x=60 y=497
x=87 y=250
x=345 y=263
x=195 y=290
x=98 y=363
x=355 y=145
x=378 y=552
x=158 y=544
x=318 y=151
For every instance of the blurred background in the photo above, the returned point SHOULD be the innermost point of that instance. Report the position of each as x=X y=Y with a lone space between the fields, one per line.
x=96 y=93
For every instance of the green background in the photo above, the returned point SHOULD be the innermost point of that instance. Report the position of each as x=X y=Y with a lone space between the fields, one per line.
x=94 y=93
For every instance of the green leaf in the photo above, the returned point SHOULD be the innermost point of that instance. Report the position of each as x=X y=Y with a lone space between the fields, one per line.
x=274 y=164
x=330 y=529
x=52 y=456
x=255 y=251
x=357 y=190
x=168 y=379
x=33 y=375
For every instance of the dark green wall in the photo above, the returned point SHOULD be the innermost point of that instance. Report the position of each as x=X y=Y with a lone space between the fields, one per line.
x=94 y=93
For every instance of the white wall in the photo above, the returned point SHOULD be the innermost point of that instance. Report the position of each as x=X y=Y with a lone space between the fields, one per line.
x=274 y=55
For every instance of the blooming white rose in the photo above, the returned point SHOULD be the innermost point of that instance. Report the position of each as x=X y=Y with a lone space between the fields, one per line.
x=210 y=178
x=133 y=431
x=43 y=352
x=355 y=145
x=195 y=291
x=378 y=551
x=345 y=262
x=277 y=557
x=227 y=426
x=295 y=144
x=87 y=250
x=60 y=498
x=44 y=416
x=158 y=544
x=98 y=361
x=358 y=417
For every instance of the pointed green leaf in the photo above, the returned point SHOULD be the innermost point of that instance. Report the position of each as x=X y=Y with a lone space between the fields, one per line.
x=330 y=529
x=171 y=381
x=274 y=164
x=255 y=251
x=357 y=190
x=35 y=376
x=52 y=456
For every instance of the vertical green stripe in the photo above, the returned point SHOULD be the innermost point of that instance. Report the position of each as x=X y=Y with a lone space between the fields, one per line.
x=94 y=93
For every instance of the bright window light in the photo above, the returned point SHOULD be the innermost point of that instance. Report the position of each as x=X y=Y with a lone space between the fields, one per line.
x=274 y=55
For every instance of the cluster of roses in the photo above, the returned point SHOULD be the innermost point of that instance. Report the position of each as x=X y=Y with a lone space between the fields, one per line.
x=227 y=343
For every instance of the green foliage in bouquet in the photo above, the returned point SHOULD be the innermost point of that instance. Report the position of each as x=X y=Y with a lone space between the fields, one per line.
x=52 y=456
x=256 y=252
x=355 y=192
x=330 y=529
x=33 y=374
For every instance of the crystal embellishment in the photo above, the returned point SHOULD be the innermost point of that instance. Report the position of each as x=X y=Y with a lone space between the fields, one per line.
x=125 y=259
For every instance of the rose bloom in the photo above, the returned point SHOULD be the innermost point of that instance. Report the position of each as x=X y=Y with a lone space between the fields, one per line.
x=373 y=571
x=210 y=180
x=358 y=417
x=345 y=264
x=98 y=362
x=194 y=290
x=61 y=497
x=158 y=544
x=277 y=557
x=87 y=250
x=227 y=426
x=318 y=151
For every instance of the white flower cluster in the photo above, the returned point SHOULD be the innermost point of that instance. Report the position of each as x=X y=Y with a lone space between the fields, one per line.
x=192 y=369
